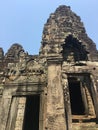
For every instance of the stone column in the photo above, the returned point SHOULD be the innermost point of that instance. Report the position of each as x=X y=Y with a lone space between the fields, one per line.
x=84 y=97
x=4 y=111
x=7 y=109
x=20 y=113
x=1 y=91
x=67 y=101
x=55 y=100
x=12 y=114
x=94 y=94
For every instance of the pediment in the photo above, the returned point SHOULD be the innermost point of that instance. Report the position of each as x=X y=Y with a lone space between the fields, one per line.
x=27 y=69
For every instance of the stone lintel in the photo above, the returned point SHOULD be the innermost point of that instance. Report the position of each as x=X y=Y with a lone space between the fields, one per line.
x=54 y=60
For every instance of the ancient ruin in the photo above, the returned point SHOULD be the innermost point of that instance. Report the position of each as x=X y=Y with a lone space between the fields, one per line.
x=57 y=89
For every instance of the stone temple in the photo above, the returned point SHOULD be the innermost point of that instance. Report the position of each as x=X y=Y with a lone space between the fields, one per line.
x=57 y=89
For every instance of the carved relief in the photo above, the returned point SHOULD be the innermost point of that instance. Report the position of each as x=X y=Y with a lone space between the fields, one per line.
x=31 y=70
x=65 y=87
x=56 y=48
x=2 y=78
x=13 y=52
x=36 y=70
x=51 y=49
x=45 y=49
x=14 y=70
x=66 y=99
x=70 y=58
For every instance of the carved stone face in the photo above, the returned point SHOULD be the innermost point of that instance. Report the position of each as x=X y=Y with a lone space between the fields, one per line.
x=14 y=51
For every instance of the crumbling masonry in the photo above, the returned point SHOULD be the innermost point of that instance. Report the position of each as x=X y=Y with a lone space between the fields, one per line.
x=57 y=89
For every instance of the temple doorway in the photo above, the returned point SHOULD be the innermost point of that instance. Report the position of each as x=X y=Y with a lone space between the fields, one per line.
x=31 y=118
x=77 y=106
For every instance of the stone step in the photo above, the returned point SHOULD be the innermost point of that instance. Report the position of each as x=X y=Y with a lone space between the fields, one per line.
x=83 y=126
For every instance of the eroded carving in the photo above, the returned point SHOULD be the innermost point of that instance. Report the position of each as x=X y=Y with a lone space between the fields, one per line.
x=14 y=70
x=31 y=70
x=13 y=52
x=65 y=87
x=70 y=58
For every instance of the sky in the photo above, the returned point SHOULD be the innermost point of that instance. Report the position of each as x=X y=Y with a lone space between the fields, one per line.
x=22 y=21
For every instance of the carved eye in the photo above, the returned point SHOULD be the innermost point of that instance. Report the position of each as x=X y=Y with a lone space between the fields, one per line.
x=14 y=72
x=41 y=71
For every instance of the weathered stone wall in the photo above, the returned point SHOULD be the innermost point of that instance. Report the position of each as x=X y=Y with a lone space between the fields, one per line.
x=55 y=100
x=48 y=73
x=62 y=23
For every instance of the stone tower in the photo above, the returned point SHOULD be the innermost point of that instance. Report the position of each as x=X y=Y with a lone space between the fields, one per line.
x=57 y=89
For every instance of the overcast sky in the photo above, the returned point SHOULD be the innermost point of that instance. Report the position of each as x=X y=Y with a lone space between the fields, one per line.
x=22 y=21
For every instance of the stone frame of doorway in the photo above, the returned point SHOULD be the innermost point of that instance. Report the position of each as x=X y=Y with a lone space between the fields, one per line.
x=24 y=94
x=84 y=117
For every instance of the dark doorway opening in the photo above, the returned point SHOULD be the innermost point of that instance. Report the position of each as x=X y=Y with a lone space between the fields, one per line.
x=31 y=118
x=77 y=106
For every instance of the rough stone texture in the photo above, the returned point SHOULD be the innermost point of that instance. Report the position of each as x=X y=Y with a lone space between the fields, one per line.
x=20 y=113
x=1 y=54
x=66 y=67
x=55 y=101
x=59 y=26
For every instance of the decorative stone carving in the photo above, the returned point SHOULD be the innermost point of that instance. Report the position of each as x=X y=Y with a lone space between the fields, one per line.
x=36 y=71
x=65 y=87
x=70 y=58
x=2 y=77
x=14 y=70
x=31 y=70
x=52 y=49
x=13 y=52
x=22 y=61
x=59 y=25
x=50 y=75
x=44 y=50
x=35 y=67
x=56 y=49
x=67 y=100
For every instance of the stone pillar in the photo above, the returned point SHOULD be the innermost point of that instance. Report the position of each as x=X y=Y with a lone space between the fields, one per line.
x=12 y=114
x=55 y=100
x=94 y=94
x=4 y=111
x=84 y=97
x=67 y=101
x=7 y=109
x=1 y=91
x=20 y=113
